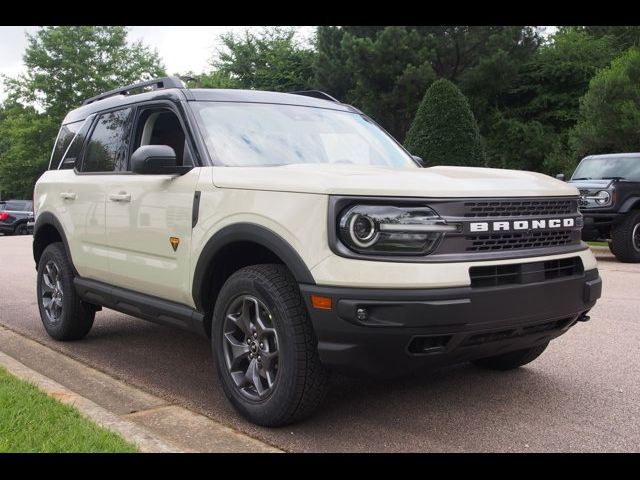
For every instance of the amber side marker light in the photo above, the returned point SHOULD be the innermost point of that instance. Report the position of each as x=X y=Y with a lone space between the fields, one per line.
x=321 y=303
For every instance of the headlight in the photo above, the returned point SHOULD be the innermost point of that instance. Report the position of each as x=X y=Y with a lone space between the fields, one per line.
x=602 y=197
x=385 y=229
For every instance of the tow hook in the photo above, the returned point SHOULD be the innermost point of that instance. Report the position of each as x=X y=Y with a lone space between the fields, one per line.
x=584 y=318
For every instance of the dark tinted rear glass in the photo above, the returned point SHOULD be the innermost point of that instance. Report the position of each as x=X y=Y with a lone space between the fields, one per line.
x=65 y=136
x=108 y=146
x=17 y=206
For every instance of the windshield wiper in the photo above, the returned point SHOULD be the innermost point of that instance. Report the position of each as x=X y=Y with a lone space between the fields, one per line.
x=614 y=178
x=582 y=178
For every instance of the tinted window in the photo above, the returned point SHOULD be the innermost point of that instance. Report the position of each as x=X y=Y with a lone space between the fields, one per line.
x=108 y=147
x=73 y=152
x=605 y=167
x=17 y=206
x=65 y=136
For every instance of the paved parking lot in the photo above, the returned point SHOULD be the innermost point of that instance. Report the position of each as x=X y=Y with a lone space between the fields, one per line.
x=581 y=395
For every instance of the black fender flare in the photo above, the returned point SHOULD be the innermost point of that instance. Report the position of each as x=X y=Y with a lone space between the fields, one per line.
x=248 y=232
x=49 y=219
x=629 y=204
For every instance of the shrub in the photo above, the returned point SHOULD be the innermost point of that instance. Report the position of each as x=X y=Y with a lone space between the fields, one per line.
x=444 y=130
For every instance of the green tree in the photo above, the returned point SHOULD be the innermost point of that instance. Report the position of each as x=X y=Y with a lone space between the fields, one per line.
x=68 y=64
x=610 y=110
x=270 y=60
x=445 y=131
x=526 y=109
x=385 y=70
x=27 y=140
x=64 y=65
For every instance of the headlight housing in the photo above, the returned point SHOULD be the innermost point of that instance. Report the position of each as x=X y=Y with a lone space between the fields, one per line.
x=392 y=230
x=602 y=197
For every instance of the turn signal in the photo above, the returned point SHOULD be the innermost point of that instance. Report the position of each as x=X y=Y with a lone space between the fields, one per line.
x=321 y=303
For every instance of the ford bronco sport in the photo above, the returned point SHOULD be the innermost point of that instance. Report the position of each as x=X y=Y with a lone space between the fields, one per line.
x=300 y=238
x=610 y=201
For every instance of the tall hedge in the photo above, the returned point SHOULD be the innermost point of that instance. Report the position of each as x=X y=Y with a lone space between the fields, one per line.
x=444 y=130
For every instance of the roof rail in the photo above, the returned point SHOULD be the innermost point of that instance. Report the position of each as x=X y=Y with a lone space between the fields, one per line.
x=156 y=83
x=316 y=94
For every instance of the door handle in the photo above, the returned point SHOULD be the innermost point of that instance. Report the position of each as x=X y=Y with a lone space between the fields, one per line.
x=120 y=197
x=68 y=195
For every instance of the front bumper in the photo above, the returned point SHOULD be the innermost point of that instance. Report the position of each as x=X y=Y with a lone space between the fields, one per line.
x=407 y=329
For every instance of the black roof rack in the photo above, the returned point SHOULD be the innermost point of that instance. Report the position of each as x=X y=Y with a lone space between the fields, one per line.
x=316 y=94
x=156 y=83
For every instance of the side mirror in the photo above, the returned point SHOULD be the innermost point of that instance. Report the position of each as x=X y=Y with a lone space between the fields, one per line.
x=156 y=160
x=419 y=160
x=560 y=177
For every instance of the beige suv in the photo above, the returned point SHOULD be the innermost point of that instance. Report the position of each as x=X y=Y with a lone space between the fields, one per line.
x=299 y=237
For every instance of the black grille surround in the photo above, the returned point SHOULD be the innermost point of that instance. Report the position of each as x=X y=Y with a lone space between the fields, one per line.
x=533 y=237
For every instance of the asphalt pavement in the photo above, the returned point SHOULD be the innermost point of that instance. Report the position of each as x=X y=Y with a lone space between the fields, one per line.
x=580 y=395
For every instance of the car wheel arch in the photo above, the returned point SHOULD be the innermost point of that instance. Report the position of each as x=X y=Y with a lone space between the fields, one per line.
x=237 y=246
x=48 y=229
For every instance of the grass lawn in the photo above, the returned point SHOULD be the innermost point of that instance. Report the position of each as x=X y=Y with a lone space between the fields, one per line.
x=598 y=244
x=31 y=421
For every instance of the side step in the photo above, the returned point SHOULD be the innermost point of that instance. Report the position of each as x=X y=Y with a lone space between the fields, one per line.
x=146 y=307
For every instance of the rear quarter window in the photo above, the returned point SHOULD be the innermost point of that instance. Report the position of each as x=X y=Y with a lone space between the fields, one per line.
x=65 y=137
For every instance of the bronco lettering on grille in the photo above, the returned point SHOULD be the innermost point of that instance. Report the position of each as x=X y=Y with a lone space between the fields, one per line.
x=514 y=225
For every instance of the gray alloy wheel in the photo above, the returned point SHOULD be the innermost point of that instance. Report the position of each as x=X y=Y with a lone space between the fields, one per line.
x=636 y=237
x=64 y=316
x=52 y=292
x=265 y=348
x=251 y=347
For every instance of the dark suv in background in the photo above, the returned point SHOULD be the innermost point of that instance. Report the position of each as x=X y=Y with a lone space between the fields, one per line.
x=610 y=202
x=15 y=216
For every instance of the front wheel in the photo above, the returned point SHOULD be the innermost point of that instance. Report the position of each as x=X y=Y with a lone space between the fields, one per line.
x=625 y=239
x=511 y=360
x=265 y=347
x=21 y=229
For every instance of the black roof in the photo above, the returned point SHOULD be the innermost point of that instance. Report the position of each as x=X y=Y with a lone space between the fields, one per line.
x=97 y=104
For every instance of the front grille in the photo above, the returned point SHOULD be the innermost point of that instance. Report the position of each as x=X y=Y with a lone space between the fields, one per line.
x=510 y=241
x=519 y=208
x=523 y=273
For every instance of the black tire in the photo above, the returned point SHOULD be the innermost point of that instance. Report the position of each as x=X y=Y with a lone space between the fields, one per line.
x=625 y=238
x=75 y=317
x=21 y=229
x=511 y=360
x=300 y=380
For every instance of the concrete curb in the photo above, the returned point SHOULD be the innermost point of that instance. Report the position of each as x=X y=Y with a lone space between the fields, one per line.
x=131 y=432
x=152 y=423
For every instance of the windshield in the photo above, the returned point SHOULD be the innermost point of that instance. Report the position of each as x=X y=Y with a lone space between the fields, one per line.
x=254 y=134
x=596 y=168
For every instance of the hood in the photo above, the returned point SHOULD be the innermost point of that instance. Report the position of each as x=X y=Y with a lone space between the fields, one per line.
x=379 y=181
x=591 y=184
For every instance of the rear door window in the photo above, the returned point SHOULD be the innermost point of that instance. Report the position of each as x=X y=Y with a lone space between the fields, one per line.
x=108 y=146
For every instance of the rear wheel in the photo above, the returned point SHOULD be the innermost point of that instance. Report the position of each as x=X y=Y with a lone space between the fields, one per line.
x=63 y=314
x=265 y=347
x=511 y=360
x=625 y=238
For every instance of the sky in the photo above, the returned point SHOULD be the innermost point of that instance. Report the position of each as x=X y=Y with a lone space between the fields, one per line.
x=182 y=48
